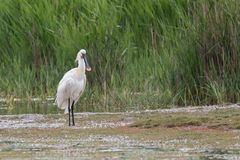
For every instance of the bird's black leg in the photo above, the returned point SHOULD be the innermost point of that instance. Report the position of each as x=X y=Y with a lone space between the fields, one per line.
x=69 y=120
x=73 y=114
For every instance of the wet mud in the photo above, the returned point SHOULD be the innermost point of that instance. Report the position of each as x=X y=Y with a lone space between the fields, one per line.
x=111 y=136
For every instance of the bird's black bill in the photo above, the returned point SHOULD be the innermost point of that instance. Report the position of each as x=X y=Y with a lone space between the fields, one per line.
x=88 y=68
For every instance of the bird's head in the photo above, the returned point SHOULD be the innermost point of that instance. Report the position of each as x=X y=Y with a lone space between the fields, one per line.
x=82 y=56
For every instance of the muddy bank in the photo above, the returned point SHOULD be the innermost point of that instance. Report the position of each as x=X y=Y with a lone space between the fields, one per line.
x=113 y=136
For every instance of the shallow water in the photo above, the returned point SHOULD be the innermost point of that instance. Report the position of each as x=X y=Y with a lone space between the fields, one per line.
x=23 y=106
x=38 y=130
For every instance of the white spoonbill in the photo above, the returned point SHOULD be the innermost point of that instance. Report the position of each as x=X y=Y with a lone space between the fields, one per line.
x=72 y=85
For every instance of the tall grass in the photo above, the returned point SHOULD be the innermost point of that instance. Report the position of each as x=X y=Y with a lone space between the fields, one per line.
x=144 y=54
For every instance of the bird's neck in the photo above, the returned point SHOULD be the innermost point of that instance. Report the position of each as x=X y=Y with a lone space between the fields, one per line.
x=81 y=65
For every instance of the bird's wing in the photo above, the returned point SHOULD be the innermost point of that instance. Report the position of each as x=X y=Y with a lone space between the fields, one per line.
x=70 y=87
x=64 y=92
x=77 y=88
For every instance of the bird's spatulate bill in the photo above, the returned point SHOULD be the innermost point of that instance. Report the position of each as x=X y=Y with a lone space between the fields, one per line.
x=88 y=68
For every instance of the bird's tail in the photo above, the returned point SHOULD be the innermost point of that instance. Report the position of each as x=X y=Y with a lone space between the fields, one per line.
x=63 y=94
x=62 y=104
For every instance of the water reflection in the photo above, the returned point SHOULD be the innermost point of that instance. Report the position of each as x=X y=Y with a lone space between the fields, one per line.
x=33 y=106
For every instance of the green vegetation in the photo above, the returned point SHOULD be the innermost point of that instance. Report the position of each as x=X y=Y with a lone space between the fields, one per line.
x=144 y=54
x=221 y=119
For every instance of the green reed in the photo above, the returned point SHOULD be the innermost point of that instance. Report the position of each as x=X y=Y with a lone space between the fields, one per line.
x=144 y=54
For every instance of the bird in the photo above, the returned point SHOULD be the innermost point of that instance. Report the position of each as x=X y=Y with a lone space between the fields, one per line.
x=72 y=85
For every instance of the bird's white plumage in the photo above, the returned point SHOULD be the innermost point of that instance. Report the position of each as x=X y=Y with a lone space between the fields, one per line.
x=71 y=85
